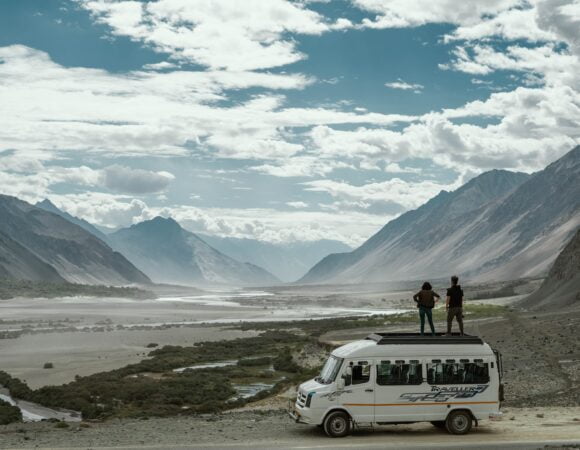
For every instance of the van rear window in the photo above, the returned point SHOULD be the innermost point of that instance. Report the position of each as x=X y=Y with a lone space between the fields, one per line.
x=458 y=373
x=400 y=373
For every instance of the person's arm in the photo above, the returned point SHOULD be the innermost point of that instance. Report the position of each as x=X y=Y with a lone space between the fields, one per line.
x=436 y=296
x=416 y=297
x=447 y=302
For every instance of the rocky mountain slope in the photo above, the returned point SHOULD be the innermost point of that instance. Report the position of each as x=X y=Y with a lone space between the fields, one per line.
x=561 y=287
x=38 y=245
x=169 y=254
x=288 y=262
x=500 y=225
x=47 y=205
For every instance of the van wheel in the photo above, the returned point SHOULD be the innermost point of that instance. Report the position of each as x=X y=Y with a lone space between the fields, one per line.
x=337 y=424
x=438 y=424
x=458 y=422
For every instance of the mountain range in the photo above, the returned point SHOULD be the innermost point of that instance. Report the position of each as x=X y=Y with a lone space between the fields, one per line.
x=287 y=261
x=500 y=225
x=170 y=254
x=42 y=246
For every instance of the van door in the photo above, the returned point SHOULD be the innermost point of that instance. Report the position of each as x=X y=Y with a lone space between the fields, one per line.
x=358 y=394
x=402 y=393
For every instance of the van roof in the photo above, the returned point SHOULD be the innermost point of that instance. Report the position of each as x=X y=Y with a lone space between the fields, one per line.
x=411 y=345
x=416 y=338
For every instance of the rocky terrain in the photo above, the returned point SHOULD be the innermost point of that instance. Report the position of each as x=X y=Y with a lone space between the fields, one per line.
x=499 y=226
x=170 y=254
x=42 y=246
x=562 y=285
x=273 y=428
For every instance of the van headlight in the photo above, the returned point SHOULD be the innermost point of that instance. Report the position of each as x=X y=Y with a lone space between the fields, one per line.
x=309 y=399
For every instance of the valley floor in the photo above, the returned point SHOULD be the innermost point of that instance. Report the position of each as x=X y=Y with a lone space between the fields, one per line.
x=542 y=375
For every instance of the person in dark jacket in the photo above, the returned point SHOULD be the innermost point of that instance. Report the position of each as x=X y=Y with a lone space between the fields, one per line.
x=454 y=305
x=426 y=299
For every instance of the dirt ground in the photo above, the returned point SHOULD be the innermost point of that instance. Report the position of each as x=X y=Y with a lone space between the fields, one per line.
x=274 y=429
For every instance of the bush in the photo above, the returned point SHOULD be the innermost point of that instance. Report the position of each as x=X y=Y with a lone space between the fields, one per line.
x=285 y=363
x=9 y=413
x=48 y=365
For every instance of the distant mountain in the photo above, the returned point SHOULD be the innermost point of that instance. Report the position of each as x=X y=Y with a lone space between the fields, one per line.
x=288 y=262
x=47 y=205
x=169 y=254
x=500 y=225
x=561 y=287
x=39 y=245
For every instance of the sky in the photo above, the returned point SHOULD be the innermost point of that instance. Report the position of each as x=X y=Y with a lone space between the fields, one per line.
x=278 y=120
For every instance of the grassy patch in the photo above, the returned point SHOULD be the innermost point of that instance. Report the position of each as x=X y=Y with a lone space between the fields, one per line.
x=33 y=289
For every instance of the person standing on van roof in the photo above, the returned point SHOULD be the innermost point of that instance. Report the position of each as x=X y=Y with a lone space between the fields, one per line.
x=454 y=304
x=426 y=299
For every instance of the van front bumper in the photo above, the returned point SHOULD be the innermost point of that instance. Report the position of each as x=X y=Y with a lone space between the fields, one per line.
x=298 y=416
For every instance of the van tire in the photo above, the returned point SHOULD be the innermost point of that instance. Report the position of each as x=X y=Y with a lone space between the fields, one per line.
x=337 y=424
x=459 y=422
x=439 y=424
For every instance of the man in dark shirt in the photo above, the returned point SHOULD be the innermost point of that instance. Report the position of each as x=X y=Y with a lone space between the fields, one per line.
x=454 y=304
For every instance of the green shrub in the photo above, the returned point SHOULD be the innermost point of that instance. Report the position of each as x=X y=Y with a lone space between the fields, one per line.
x=9 y=413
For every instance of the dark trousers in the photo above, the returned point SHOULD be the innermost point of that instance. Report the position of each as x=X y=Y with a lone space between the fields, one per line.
x=423 y=311
x=456 y=312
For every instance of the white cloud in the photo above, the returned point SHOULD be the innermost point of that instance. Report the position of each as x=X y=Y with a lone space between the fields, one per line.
x=297 y=205
x=227 y=35
x=408 y=195
x=163 y=65
x=150 y=113
x=403 y=85
x=510 y=24
x=411 y=13
x=102 y=209
x=135 y=181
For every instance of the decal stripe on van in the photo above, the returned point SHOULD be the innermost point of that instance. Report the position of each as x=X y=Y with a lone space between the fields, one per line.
x=419 y=404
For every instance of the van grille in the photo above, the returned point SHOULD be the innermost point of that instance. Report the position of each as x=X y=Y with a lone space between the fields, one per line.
x=301 y=399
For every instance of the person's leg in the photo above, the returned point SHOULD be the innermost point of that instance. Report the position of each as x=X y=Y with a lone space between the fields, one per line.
x=449 y=320
x=460 y=319
x=422 y=318
x=429 y=312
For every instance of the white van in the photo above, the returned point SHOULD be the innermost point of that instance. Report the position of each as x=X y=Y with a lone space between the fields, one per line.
x=390 y=378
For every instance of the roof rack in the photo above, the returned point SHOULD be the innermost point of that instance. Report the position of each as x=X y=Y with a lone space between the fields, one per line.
x=416 y=338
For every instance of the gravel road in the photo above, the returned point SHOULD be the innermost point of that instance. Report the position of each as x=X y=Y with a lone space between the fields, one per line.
x=274 y=429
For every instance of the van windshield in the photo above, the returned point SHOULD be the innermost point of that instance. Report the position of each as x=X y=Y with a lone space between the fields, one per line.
x=330 y=369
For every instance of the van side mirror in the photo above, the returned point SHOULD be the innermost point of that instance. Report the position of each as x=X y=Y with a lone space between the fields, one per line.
x=340 y=384
x=347 y=376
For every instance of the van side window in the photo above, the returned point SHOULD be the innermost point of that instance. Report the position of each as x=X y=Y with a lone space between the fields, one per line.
x=361 y=372
x=397 y=373
x=458 y=373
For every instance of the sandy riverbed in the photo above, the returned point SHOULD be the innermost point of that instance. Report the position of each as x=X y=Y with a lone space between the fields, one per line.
x=81 y=336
